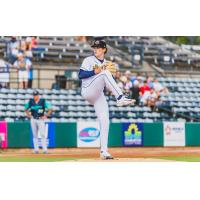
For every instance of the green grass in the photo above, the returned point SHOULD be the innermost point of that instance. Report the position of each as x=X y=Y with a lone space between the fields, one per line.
x=33 y=159
x=182 y=158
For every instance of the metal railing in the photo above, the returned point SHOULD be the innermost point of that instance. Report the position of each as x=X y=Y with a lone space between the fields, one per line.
x=41 y=78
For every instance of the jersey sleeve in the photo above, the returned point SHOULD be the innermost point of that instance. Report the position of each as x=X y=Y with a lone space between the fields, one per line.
x=85 y=74
x=27 y=106
x=47 y=105
x=85 y=65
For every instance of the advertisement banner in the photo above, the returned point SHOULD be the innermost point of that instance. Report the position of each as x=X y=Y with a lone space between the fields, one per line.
x=3 y=135
x=88 y=134
x=174 y=133
x=133 y=134
x=50 y=135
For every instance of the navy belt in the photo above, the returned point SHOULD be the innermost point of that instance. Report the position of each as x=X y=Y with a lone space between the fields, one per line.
x=37 y=117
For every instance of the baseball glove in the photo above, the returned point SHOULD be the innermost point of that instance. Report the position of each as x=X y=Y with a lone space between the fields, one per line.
x=110 y=66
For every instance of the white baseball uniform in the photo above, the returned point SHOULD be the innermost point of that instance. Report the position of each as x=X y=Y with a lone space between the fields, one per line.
x=92 y=90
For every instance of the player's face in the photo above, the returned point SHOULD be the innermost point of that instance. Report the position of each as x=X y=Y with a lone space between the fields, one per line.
x=36 y=97
x=99 y=52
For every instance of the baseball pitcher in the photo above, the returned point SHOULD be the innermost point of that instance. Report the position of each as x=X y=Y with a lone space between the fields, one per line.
x=96 y=74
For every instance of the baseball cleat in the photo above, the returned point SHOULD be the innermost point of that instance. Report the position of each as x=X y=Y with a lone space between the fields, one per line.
x=45 y=152
x=36 y=152
x=105 y=155
x=125 y=101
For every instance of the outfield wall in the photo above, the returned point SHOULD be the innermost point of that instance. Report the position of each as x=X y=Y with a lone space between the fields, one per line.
x=86 y=134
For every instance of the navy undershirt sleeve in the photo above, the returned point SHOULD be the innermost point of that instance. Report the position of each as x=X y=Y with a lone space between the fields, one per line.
x=85 y=74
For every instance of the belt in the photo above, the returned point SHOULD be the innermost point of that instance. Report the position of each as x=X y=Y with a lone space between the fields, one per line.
x=37 y=117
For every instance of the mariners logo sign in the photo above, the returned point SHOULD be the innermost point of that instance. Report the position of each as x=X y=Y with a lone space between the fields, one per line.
x=132 y=134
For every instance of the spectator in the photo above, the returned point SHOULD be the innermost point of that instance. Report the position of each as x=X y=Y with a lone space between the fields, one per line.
x=125 y=84
x=135 y=93
x=28 y=48
x=29 y=56
x=144 y=98
x=133 y=78
x=33 y=42
x=12 y=49
x=149 y=81
x=152 y=98
x=128 y=74
x=144 y=88
x=128 y=85
x=23 y=65
x=121 y=83
x=159 y=88
x=138 y=80
x=117 y=76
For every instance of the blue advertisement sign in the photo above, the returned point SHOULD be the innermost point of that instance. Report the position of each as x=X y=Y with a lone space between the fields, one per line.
x=50 y=136
x=133 y=134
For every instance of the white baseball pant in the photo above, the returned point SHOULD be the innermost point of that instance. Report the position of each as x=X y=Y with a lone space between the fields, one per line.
x=93 y=93
x=39 y=125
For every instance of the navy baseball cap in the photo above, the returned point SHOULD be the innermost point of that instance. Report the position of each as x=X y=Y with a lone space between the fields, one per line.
x=99 y=44
x=35 y=93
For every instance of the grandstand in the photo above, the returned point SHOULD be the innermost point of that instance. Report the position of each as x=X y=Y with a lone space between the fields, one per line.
x=57 y=59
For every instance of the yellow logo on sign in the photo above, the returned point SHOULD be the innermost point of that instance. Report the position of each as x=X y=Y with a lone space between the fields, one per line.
x=133 y=127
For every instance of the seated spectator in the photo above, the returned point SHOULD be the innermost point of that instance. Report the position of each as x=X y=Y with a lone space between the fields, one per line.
x=134 y=78
x=144 y=98
x=12 y=49
x=28 y=48
x=128 y=74
x=121 y=83
x=23 y=65
x=159 y=88
x=137 y=80
x=135 y=93
x=149 y=81
x=125 y=84
x=117 y=76
x=144 y=88
x=128 y=85
x=152 y=98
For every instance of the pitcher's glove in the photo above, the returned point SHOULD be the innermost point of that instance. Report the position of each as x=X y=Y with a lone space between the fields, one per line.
x=110 y=66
